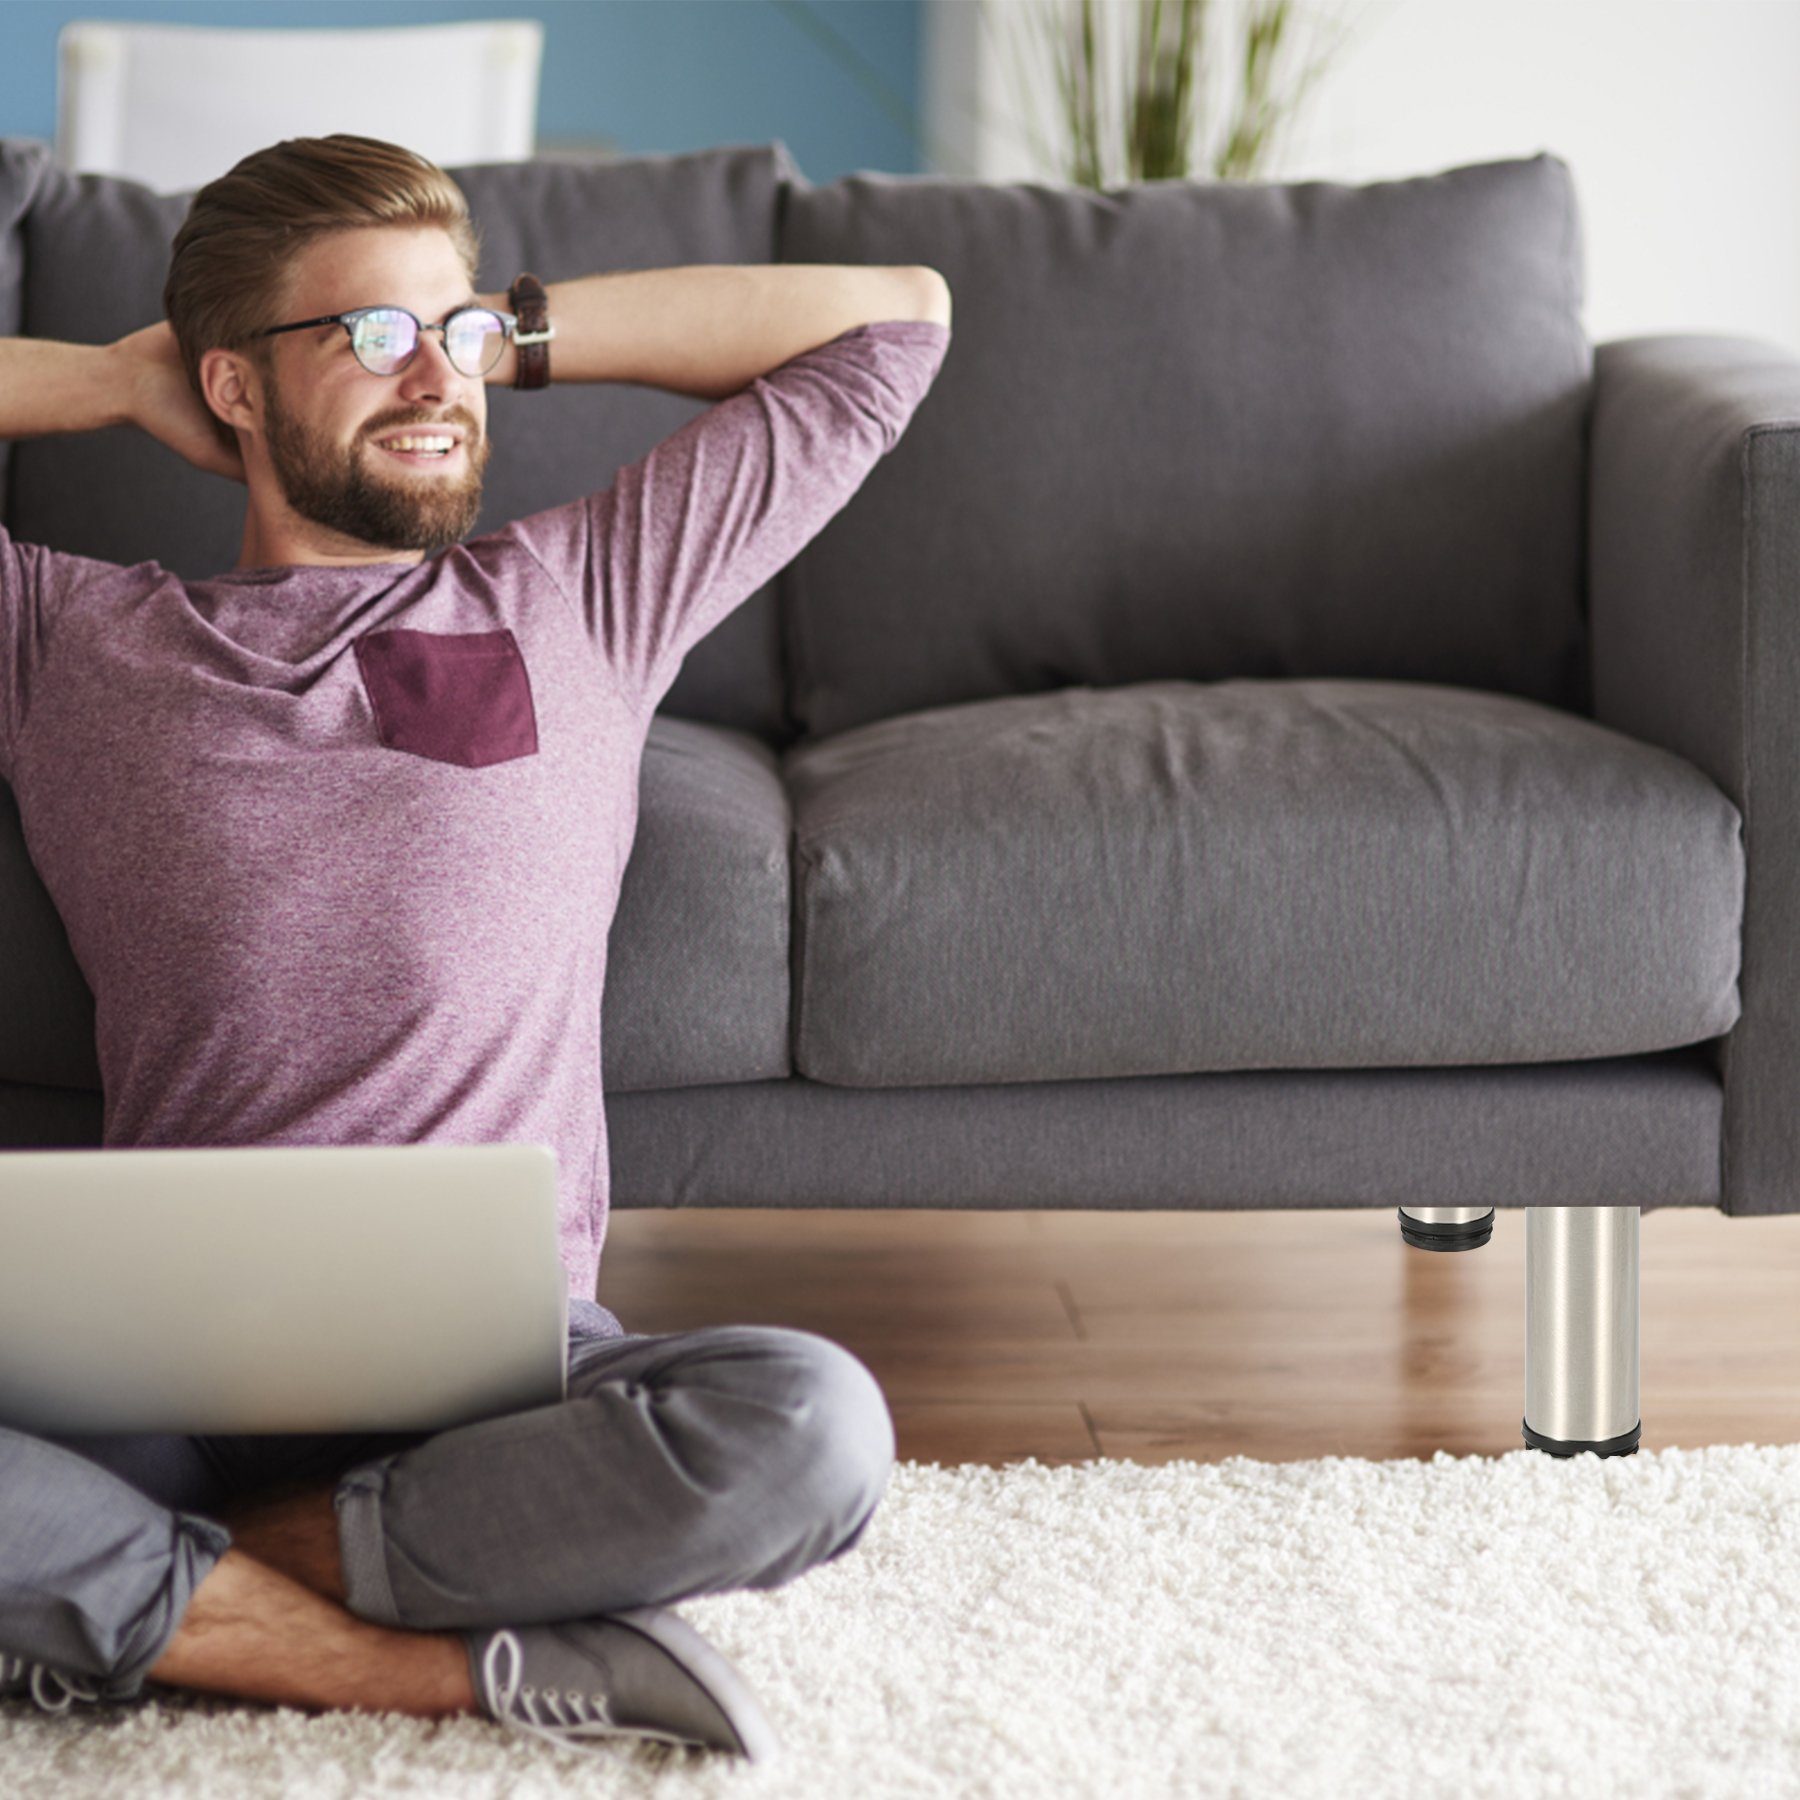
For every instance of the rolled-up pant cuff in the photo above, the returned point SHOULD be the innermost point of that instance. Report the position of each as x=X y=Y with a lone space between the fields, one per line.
x=199 y=1543
x=362 y=1549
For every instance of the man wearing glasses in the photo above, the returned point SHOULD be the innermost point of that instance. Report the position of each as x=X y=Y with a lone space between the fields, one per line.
x=419 y=715
x=327 y=487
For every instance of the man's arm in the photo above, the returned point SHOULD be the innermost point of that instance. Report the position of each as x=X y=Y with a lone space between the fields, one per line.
x=709 y=329
x=47 y=386
x=656 y=560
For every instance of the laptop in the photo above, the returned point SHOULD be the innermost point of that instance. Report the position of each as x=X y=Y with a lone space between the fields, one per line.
x=406 y=1287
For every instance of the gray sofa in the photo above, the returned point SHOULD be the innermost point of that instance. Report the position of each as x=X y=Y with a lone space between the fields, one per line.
x=1277 y=731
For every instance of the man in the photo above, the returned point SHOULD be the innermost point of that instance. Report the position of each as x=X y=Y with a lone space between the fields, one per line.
x=337 y=836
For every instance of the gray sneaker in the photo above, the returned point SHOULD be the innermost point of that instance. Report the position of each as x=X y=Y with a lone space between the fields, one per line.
x=641 y=1673
x=50 y=1689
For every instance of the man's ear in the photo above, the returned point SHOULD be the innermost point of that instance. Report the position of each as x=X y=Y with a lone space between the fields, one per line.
x=233 y=388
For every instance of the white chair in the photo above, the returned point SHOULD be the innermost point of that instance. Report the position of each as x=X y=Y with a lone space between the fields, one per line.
x=173 y=106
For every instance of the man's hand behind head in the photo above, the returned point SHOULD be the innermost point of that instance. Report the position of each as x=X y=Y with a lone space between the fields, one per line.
x=160 y=401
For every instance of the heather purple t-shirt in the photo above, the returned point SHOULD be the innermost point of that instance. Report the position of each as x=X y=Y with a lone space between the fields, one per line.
x=338 y=849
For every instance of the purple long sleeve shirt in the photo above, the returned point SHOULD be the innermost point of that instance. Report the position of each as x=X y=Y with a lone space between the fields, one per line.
x=338 y=849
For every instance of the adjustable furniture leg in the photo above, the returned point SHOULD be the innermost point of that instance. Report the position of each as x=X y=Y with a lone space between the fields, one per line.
x=1581 y=1330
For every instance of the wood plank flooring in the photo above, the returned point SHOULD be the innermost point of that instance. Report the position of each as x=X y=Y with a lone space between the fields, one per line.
x=1155 y=1336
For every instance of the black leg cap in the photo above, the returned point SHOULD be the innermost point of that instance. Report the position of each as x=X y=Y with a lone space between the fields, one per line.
x=1469 y=1234
x=1619 y=1446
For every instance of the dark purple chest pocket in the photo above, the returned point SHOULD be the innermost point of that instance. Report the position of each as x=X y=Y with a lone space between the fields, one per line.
x=454 y=696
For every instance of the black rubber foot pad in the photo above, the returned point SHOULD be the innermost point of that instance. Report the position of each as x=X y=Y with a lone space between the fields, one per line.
x=1469 y=1234
x=1619 y=1446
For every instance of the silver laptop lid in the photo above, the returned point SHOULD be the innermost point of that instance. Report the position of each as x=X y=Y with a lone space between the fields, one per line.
x=282 y=1288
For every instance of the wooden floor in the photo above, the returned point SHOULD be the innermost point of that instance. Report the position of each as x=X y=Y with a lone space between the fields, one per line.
x=1275 y=1335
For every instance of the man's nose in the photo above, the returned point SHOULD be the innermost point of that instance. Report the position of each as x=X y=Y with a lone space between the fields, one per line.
x=431 y=371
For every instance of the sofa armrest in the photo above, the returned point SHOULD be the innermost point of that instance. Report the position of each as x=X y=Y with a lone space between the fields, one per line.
x=1694 y=621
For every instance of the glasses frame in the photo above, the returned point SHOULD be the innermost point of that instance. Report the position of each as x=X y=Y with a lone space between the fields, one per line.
x=510 y=321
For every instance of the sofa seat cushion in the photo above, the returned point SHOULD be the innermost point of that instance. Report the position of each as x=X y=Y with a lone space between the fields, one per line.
x=1174 y=877
x=697 y=958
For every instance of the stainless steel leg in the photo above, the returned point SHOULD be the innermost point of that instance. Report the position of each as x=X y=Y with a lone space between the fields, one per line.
x=1446 y=1227
x=1581 y=1329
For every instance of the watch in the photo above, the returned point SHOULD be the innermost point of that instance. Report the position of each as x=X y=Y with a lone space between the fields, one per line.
x=533 y=333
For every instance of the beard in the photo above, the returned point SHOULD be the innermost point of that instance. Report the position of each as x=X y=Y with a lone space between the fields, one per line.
x=371 y=498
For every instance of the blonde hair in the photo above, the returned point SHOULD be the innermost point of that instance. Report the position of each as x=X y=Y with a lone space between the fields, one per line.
x=231 y=264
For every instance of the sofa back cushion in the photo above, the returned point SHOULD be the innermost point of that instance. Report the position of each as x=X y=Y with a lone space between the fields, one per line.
x=94 y=250
x=1206 y=430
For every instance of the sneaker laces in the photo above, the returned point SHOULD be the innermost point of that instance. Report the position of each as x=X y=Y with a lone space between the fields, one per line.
x=565 y=1715
x=74 y=1687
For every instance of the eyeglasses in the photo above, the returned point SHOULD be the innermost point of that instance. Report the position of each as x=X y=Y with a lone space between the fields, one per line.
x=386 y=338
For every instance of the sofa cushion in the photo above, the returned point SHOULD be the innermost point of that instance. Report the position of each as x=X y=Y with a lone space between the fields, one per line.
x=1210 y=429
x=96 y=255
x=697 y=959
x=1177 y=877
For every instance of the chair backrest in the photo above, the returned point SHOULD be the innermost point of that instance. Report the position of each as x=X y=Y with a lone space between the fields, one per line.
x=171 y=106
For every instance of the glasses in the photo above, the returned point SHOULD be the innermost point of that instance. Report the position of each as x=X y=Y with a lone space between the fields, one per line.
x=386 y=338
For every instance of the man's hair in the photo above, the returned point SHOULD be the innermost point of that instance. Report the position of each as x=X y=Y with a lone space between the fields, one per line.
x=231 y=264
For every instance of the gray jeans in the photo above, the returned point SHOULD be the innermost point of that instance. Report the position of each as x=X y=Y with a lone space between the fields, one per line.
x=695 y=1462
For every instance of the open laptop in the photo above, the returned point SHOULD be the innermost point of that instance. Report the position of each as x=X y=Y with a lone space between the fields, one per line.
x=288 y=1288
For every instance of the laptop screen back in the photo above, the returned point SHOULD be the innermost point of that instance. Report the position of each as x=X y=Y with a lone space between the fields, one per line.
x=283 y=1288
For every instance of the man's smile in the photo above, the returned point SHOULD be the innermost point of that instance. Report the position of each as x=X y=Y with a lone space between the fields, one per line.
x=422 y=459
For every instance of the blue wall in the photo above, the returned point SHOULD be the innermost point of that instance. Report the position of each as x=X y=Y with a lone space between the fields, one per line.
x=639 y=76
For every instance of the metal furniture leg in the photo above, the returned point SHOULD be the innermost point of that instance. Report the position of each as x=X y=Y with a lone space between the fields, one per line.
x=1581 y=1330
x=1446 y=1227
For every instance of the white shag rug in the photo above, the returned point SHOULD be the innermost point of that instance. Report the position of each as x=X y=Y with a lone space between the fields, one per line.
x=1513 y=1625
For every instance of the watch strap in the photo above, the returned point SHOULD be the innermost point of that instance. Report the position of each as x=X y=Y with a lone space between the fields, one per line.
x=531 y=338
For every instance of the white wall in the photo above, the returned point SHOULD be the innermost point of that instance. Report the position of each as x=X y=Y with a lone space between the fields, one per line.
x=1679 y=118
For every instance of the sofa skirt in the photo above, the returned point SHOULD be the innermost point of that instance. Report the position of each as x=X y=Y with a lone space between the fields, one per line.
x=1629 y=1131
